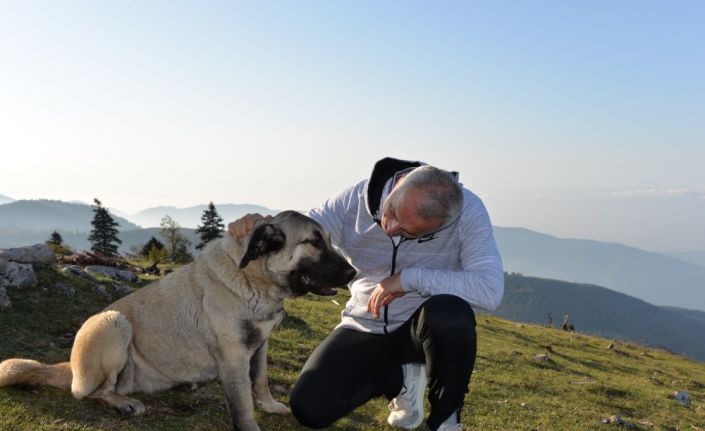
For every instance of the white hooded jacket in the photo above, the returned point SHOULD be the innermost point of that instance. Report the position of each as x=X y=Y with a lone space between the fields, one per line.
x=462 y=259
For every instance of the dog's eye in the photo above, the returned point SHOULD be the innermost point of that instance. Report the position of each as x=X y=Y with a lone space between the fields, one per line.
x=316 y=242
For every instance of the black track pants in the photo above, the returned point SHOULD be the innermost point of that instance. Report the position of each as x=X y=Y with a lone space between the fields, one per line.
x=351 y=367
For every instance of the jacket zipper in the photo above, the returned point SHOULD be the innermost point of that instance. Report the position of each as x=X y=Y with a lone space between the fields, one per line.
x=395 y=248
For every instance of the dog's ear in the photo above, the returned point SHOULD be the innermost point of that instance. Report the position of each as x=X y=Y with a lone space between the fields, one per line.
x=265 y=239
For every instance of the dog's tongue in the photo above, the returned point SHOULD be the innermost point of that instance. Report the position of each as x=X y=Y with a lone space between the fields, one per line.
x=325 y=291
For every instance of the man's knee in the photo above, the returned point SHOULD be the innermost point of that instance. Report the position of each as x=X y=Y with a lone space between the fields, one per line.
x=307 y=407
x=448 y=313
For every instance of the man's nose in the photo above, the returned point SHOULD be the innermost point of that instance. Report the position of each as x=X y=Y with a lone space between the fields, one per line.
x=392 y=226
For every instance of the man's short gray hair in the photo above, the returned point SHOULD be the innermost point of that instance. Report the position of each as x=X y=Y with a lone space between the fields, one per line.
x=441 y=195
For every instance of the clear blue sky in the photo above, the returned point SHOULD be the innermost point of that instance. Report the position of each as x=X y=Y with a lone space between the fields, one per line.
x=579 y=119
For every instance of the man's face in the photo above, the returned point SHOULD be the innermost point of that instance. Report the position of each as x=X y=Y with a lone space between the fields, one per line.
x=400 y=218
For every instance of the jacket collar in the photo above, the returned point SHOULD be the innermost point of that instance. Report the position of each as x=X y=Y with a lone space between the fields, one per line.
x=383 y=171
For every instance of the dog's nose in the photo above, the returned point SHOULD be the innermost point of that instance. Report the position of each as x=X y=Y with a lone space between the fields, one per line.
x=350 y=273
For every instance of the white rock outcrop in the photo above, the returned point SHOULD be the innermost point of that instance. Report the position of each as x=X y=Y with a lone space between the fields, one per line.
x=121 y=274
x=38 y=253
x=13 y=274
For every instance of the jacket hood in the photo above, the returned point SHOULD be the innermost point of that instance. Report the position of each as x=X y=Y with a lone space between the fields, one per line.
x=383 y=171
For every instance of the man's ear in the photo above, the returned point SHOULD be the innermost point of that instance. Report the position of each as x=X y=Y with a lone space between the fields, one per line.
x=265 y=239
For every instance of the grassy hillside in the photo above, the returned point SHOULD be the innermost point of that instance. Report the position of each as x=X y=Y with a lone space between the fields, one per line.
x=581 y=383
x=604 y=312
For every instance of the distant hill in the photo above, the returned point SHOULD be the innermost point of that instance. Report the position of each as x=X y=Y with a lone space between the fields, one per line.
x=5 y=199
x=600 y=311
x=79 y=240
x=696 y=257
x=47 y=215
x=31 y=222
x=191 y=216
x=653 y=277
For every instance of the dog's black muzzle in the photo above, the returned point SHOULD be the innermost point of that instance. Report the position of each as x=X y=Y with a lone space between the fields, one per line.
x=322 y=277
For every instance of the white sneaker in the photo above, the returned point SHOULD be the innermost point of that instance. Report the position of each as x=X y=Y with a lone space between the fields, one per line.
x=407 y=408
x=451 y=424
x=455 y=427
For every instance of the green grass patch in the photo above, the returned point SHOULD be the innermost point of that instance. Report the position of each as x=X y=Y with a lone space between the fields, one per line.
x=581 y=383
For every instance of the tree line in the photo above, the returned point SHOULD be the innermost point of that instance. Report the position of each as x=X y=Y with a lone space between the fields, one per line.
x=104 y=237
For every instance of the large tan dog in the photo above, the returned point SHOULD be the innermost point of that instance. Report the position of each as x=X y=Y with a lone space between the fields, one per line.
x=209 y=319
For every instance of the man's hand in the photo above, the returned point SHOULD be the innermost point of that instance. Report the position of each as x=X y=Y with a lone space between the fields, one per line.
x=387 y=291
x=241 y=227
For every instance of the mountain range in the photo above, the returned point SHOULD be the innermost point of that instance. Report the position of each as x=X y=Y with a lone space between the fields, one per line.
x=47 y=215
x=652 y=277
x=191 y=216
x=695 y=257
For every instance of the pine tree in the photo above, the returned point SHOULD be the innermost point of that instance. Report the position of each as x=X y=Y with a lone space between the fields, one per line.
x=104 y=236
x=212 y=226
x=56 y=244
x=55 y=238
x=152 y=243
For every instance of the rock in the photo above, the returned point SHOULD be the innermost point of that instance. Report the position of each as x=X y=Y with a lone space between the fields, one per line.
x=610 y=346
x=38 y=253
x=13 y=274
x=101 y=290
x=682 y=397
x=65 y=289
x=122 y=289
x=655 y=380
x=121 y=274
x=617 y=420
x=542 y=358
x=18 y=275
x=4 y=300
x=74 y=270
x=280 y=389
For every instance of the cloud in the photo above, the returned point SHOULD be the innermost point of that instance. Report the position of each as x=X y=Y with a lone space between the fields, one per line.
x=662 y=193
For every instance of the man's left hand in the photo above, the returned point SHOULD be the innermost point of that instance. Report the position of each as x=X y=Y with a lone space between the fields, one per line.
x=386 y=291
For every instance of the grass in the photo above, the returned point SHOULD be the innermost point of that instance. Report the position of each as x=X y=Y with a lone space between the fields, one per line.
x=581 y=383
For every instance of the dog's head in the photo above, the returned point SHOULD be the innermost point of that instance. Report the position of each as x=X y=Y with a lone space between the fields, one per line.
x=297 y=254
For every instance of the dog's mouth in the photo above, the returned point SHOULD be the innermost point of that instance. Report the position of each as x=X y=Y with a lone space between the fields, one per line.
x=314 y=288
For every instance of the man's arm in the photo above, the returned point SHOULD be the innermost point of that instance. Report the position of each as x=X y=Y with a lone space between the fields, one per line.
x=480 y=281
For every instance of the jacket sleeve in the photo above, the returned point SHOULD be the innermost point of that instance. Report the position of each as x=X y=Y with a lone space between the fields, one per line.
x=332 y=214
x=480 y=280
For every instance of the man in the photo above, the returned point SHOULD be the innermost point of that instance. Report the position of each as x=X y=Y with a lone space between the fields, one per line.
x=425 y=253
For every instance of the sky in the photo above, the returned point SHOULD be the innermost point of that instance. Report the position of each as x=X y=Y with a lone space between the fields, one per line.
x=580 y=119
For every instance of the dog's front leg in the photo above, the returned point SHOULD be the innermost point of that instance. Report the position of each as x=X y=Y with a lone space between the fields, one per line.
x=258 y=373
x=234 y=374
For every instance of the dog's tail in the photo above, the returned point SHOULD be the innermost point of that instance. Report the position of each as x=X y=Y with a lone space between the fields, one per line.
x=33 y=373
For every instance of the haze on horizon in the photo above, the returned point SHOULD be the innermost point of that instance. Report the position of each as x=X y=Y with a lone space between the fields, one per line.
x=576 y=119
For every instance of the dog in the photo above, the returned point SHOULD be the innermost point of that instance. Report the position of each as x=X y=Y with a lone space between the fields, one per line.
x=208 y=319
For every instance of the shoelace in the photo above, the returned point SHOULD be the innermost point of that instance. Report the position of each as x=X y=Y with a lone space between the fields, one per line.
x=398 y=404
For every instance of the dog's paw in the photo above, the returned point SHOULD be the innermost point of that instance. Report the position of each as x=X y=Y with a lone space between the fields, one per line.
x=132 y=407
x=275 y=407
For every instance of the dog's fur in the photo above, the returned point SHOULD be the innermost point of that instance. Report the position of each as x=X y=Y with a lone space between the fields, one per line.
x=211 y=318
